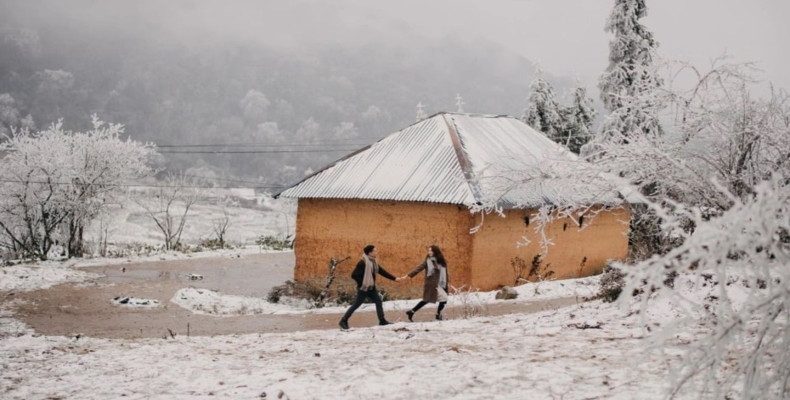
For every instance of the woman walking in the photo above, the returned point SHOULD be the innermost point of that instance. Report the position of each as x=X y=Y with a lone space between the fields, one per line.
x=435 y=289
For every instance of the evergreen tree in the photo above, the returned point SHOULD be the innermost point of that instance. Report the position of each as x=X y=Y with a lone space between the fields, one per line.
x=629 y=79
x=543 y=111
x=421 y=115
x=578 y=120
x=459 y=103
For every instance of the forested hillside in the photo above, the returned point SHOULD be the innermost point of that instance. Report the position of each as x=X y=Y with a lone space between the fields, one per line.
x=172 y=91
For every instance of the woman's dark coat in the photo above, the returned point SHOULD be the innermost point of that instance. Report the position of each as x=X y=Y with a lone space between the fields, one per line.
x=429 y=292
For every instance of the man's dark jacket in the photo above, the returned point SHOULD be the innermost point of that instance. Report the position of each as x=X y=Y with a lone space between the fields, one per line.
x=359 y=273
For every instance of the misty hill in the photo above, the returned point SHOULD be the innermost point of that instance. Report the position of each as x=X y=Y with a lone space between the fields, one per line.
x=224 y=91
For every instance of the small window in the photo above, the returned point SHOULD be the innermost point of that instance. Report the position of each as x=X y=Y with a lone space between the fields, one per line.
x=526 y=220
x=564 y=226
x=581 y=221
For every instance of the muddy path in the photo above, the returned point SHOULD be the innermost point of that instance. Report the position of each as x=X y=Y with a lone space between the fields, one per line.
x=86 y=308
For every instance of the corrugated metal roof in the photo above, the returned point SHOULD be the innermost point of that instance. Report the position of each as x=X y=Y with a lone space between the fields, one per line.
x=458 y=159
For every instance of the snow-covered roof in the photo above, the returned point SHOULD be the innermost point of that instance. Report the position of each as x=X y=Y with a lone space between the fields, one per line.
x=458 y=159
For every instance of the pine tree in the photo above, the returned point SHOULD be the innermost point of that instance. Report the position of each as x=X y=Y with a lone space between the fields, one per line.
x=578 y=120
x=459 y=103
x=543 y=111
x=629 y=78
x=421 y=115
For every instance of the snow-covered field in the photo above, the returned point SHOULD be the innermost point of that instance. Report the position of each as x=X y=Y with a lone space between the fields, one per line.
x=130 y=224
x=529 y=355
x=540 y=356
x=26 y=277
x=45 y=274
x=591 y=350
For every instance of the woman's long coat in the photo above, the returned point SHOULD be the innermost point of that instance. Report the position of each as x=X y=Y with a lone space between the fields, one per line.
x=429 y=292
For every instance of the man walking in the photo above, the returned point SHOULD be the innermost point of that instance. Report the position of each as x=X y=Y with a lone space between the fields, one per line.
x=365 y=275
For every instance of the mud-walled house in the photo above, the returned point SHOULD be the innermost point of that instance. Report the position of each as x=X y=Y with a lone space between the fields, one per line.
x=416 y=187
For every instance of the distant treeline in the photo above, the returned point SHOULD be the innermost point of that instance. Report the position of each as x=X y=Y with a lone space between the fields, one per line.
x=222 y=92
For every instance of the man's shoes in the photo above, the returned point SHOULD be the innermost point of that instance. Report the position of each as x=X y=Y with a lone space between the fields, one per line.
x=385 y=322
x=410 y=314
x=343 y=324
x=439 y=317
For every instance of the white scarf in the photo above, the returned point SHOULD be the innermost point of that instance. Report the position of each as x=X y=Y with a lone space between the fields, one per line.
x=371 y=269
x=433 y=266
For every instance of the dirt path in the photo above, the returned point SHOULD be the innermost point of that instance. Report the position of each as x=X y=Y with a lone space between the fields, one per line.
x=86 y=308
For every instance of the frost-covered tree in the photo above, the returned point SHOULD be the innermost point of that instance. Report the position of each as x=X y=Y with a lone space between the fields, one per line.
x=308 y=132
x=57 y=180
x=630 y=74
x=421 y=115
x=10 y=116
x=459 y=103
x=543 y=112
x=577 y=120
x=345 y=131
x=254 y=106
x=169 y=206
x=722 y=136
x=728 y=284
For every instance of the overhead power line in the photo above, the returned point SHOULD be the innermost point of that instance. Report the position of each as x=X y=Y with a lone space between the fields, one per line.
x=220 y=179
x=252 y=151
x=357 y=141
x=259 y=145
x=143 y=185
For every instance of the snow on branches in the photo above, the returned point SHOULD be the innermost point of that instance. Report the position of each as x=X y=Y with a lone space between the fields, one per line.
x=630 y=73
x=728 y=285
x=54 y=181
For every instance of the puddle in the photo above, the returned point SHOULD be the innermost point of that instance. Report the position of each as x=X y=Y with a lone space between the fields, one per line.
x=252 y=275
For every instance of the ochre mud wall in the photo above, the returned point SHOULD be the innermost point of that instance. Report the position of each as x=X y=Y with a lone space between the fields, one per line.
x=576 y=252
x=402 y=231
x=336 y=228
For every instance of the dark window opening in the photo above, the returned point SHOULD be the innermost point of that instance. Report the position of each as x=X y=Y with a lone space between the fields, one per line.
x=564 y=226
x=526 y=220
x=581 y=221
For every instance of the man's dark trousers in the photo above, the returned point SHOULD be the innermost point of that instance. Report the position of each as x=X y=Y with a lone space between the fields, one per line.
x=361 y=295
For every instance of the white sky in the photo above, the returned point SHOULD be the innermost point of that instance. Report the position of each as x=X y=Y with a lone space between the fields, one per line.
x=565 y=37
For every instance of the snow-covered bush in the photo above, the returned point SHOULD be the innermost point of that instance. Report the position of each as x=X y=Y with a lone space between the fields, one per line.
x=53 y=182
x=732 y=283
x=612 y=282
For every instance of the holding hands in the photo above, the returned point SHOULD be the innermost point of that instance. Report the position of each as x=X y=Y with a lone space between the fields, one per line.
x=401 y=278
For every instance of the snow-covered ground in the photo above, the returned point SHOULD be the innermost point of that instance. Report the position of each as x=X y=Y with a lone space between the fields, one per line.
x=45 y=274
x=130 y=224
x=591 y=350
x=205 y=301
x=170 y=255
x=24 y=277
x=539 y=356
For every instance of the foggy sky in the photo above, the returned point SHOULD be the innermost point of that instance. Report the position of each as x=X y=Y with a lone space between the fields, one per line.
x=565 y=37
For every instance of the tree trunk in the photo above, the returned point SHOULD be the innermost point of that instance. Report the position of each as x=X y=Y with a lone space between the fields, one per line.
x=76 y=242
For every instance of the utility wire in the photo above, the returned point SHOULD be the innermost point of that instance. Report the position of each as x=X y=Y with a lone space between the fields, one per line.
x=250 y=151
x=260 y=145
x=336 y=142
x=220 y=179
x=150 y=185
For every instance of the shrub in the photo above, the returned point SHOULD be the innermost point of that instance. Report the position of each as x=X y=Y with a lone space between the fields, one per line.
x=212 y=244
x=612 y=283
x=471 y=304
x=274 y=243
x=343 y=291
x=538 y=272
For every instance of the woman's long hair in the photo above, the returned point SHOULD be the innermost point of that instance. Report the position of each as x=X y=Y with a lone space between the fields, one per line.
x=438 y=255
